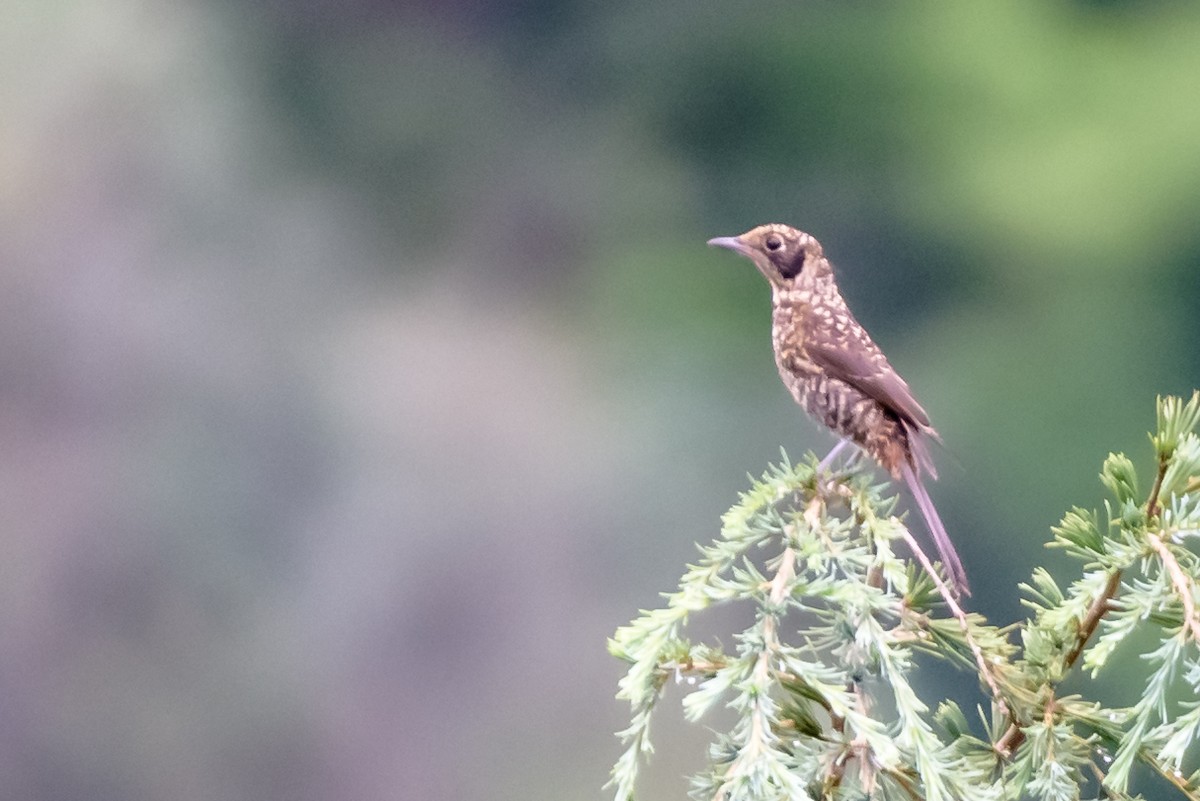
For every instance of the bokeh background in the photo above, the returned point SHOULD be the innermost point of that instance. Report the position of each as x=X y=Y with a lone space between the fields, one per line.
x=363 y=366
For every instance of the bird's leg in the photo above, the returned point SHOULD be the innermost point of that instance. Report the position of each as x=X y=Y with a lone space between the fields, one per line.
x=833 y=454
x=854 y=457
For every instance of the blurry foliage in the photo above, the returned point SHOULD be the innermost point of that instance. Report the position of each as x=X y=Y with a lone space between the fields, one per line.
x=273 y=272
x=822 y=682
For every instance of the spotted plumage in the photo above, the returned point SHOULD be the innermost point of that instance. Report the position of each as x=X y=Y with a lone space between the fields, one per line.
x=836 y=372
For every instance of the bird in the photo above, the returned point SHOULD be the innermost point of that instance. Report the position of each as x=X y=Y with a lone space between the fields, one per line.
x=836 y=372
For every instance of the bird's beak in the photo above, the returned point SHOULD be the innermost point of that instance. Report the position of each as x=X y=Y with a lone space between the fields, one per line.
x=733 y=243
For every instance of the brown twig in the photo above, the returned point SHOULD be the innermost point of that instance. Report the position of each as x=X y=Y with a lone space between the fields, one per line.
x=948 y=595
x=1181 y=783
x=1013 y=736
x=906 y=784
x=1152 y=504
x=1095 y=613
x=778 y=585
x=1009 y=741
x=785 y=573
x=690 y=666
x=836 y=771
x=855 y=749
x=1180 y=581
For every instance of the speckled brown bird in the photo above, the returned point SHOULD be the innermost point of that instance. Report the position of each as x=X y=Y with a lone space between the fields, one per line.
x=837 y=373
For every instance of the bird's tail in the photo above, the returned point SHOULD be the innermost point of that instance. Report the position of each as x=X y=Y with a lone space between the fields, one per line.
x=934 y=523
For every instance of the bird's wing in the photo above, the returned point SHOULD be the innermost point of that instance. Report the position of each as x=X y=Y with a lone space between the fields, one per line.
x=863 y=366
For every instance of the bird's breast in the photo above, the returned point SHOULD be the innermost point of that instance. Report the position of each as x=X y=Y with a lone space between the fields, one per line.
x=792 y=323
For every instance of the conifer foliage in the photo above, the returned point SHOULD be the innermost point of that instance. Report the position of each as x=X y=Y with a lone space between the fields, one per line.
x=822 y=684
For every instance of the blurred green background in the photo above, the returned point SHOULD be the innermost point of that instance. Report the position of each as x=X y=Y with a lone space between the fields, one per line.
x=363 y=365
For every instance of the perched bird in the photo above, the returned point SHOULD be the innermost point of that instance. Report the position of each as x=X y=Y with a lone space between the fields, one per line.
x=836 y=372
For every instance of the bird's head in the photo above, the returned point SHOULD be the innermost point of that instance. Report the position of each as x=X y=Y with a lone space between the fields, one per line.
x=780 y=252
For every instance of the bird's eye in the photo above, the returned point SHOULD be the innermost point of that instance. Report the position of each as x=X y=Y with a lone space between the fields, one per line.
x=774 y=242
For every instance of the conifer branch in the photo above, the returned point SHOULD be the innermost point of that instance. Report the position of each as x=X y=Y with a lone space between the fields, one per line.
x=829 y=712
x=1184 y=587
x=985 y=670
